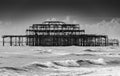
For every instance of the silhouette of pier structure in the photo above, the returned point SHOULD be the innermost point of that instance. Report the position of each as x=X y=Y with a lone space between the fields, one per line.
x=56 y=33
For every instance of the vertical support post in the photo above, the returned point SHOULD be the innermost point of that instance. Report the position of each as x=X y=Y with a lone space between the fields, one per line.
x=95 y=41
x=10 y=41
x=106 y=41
x=83 y=42
x=15 y=41
x=40 y=40
x=33 y=40
x=19 y=41
x=22 y=41
x=100 y=41
x=3 y=41
x=37 y=41
x=27 y=40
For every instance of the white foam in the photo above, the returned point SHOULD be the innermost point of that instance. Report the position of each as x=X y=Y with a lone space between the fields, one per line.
x=67 y=63
x=99 y=61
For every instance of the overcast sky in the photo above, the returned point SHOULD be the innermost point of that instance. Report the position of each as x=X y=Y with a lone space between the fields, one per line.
x=17 y=15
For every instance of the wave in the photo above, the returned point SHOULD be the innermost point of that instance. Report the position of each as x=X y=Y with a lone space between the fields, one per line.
x=11 y=71
x=61 y=65
x=40 y=51
x=79 y=63
x=93 y=50
x=39 y=65
x=113 y=62
x=66 y=63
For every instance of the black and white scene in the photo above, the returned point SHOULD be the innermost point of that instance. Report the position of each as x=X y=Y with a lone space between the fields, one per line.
x=59 y=38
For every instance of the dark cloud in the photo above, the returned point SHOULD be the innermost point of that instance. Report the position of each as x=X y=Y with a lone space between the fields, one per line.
x=88 y=7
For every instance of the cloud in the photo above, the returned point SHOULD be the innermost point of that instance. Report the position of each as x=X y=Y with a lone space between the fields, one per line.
x=69 y=20
x=110 y=28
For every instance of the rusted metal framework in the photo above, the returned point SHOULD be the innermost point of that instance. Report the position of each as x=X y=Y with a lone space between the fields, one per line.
x=14 y=40
x=57 y=33
x=113 y=42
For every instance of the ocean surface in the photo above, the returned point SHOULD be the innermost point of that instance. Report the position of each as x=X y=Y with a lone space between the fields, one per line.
x=59 y=61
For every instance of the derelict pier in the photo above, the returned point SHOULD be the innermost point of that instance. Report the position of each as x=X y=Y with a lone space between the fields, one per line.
x=56 y=33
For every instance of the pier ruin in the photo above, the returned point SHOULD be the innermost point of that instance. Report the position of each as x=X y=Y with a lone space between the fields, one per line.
x=56 y=33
